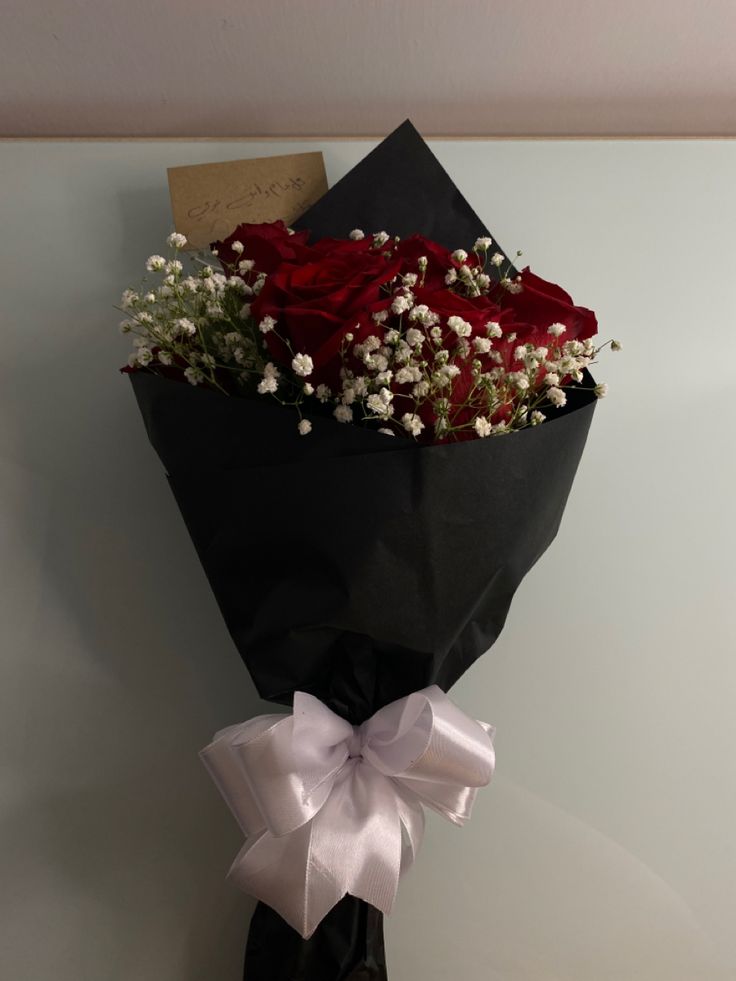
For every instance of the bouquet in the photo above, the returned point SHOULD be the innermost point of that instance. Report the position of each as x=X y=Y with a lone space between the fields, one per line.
x=371 y=435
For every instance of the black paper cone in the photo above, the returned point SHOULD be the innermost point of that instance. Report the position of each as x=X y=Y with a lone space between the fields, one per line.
x=400 y=188
x=353 y=565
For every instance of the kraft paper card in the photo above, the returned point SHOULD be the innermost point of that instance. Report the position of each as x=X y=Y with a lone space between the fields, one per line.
x=209 y=201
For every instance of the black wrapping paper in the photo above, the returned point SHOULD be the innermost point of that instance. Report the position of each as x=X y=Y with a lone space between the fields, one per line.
x=353 y=565
x=401 y=188
x=347 y=947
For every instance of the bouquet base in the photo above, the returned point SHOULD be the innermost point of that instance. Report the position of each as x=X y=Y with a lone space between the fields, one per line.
x=347 y=946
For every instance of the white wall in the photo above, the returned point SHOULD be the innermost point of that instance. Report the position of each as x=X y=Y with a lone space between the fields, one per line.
x=239 y=67
x=605 y=848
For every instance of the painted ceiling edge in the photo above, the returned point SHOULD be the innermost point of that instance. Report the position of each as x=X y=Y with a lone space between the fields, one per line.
x=362 y=137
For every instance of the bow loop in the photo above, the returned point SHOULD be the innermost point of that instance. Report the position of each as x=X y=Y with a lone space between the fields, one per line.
x=330 y=809
x=276 y=772
x=224 y=766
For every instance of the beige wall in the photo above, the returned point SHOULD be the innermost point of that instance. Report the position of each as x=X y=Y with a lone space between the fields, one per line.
x=189 y=67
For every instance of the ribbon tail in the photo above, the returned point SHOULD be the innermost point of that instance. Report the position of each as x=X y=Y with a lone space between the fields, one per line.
x=411 y=817
x=278 y=872
x=353 y=845
x=357 y=839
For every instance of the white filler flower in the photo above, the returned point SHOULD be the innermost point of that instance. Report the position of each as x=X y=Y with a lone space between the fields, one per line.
x=302 y=365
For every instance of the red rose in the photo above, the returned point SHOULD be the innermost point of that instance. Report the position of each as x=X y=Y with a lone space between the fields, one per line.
x=439 y=259
x=268 y=244
x=316 y=304
x=343 y=246
x=541 y=304
x=476 y=310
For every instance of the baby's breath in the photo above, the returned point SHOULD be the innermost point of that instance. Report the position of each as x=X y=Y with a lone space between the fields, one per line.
x=194 y=322
x=418 y=372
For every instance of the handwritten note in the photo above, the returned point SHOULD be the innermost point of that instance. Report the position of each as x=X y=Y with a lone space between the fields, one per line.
x=209 y=201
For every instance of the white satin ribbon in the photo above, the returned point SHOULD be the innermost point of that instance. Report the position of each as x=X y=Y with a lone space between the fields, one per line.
x=330 y=809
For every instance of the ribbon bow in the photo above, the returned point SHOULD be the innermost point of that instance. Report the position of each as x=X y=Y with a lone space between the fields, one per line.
x=330 y=809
